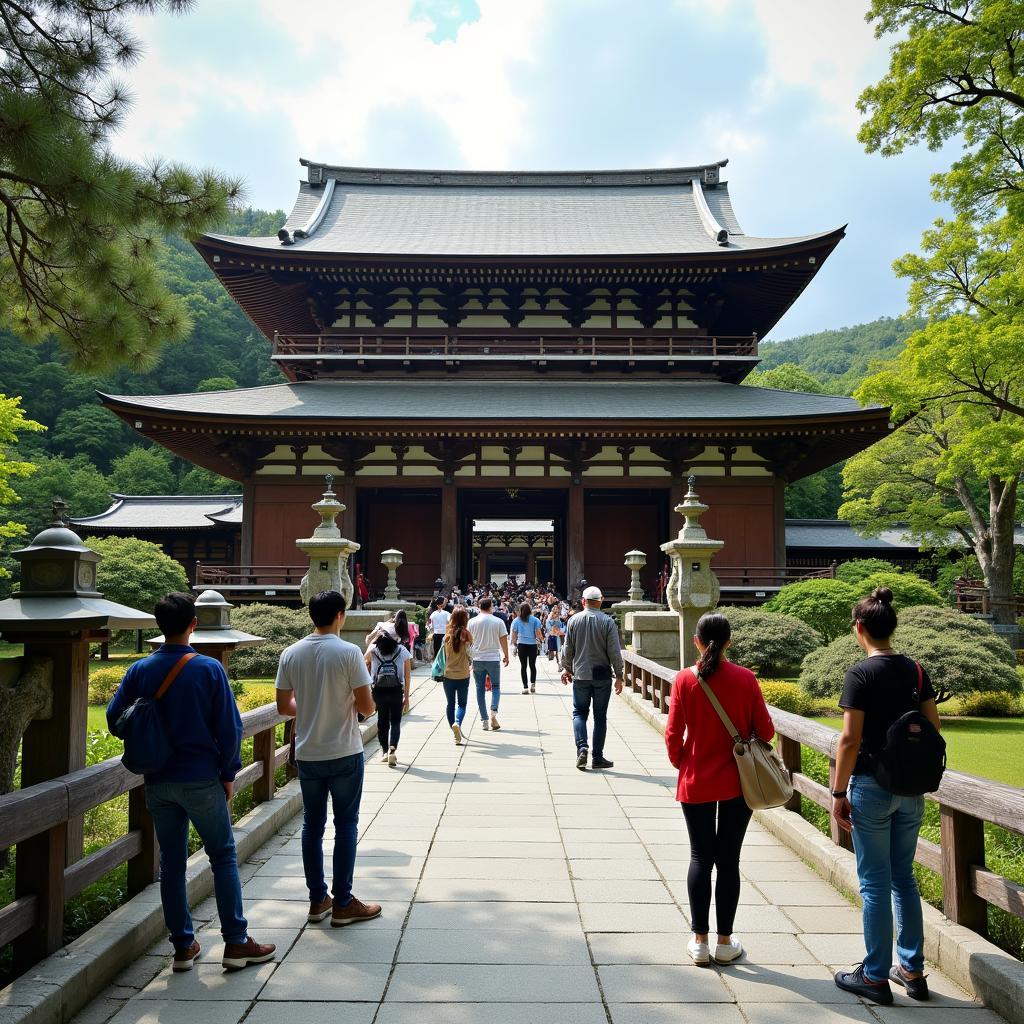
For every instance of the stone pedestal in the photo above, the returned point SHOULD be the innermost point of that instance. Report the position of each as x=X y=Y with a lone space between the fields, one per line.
x=392 y=600
x=655 y=635
x=358 y=624
x=622 y=610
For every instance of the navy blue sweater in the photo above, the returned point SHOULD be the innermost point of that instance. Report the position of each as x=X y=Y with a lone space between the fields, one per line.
x=198 y=711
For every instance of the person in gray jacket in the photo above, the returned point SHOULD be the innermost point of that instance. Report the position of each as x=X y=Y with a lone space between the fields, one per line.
x=591 y=657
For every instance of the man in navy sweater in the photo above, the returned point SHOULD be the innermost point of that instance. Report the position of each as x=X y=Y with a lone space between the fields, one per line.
x=202 y=721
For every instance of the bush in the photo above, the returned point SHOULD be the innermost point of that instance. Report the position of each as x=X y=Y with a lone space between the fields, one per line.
x=908 y=589
x=996 y=704
x=280 y=627
x=255 y=695
x=961 y=655
x=767 y=641
x=136 y=572
x=786 y=697
x=858 y=569
x=823 y=604
x=103 y=684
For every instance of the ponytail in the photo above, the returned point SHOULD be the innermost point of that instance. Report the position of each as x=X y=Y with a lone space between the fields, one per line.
x=714 y=632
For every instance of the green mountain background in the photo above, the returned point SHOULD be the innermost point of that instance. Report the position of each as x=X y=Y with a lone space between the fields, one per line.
x=85 y=452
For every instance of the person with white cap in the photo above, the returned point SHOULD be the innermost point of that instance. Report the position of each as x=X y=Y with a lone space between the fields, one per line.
x=591 y=658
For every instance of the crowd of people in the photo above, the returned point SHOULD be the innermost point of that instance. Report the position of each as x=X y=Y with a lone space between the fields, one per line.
x=325 y=684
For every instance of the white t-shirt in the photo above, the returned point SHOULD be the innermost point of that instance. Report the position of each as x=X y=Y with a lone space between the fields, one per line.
x=438 y=621
x=486 y=630
x=323 y=670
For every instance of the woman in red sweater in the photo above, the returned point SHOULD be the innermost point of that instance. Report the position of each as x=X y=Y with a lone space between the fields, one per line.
x=699 y=745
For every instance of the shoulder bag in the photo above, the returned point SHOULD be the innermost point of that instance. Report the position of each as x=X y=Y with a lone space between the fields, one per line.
x=438 y=667
x=764 y=779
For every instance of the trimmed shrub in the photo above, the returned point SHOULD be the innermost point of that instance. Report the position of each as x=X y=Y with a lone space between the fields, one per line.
x=823 y=604
x=786 y=697
x=961 y=655
x=858 y=569
x=103 y=684
x=136 y=572
x=280 y=627
x=768 y=642
x=255 y=695
x=996 y=704
x=908 y=589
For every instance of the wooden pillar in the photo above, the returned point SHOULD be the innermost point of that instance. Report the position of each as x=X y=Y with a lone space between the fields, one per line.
x=144 y=867
x=531 y=565
x=56 y=746
x=483 y=564
x=962 y=839
x=449 y=534
x=792 y=757
x=780 y=521
x=248 y=512
x=347 y=496
x=575 y=535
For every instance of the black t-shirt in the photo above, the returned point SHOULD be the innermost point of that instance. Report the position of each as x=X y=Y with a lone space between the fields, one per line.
x=884 y=687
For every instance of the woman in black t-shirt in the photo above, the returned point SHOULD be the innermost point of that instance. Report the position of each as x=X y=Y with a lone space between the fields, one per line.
x=876 y=693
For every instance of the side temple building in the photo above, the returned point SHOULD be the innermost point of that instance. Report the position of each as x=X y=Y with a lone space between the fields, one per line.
x=562 y=346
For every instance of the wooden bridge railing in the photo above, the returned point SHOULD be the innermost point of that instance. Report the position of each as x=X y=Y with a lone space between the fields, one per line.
x=35 y=819
x=966 y=803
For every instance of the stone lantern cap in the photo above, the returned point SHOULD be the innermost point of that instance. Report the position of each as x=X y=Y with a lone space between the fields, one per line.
x=213 y=626
x=58 y=587
x=391 y=556
x=635 y=557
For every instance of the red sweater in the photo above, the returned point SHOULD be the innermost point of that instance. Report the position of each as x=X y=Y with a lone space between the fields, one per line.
x=698 y=743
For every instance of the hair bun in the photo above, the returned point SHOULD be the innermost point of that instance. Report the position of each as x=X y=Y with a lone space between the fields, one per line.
x=882 y=595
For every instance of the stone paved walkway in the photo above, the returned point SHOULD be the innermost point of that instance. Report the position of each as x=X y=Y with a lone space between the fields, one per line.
x=518 y=889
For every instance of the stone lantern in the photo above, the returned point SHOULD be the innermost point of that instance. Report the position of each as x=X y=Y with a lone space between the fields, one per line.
x=692 y=588
x=392 y=601
x=214 y=635
x=57 y=613
x=635 y=561
x=624 y=610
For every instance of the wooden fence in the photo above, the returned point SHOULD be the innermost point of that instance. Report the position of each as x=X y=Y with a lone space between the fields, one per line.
x=966 y=803
x=35 y=819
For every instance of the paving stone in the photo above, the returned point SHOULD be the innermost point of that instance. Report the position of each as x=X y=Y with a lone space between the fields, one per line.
x=621 y=917
x=495 y=867
x=973 y=1013
x=636 y=868
x=757 y=983
x=778 y=871
x=174 y=1011
x=812 y=1013
x=513 y=890
x=662 y=983
x=487 y=946
x=311 y=1013
x=100 y=1010
x=841 y=920
x=802 y=894
x=669 y=1013
x=312 y=982
x=423 y=983
x=495 y=915
x=624 y=890
x=207 y=982
x=213 y=944
x=352 y=945
x=496 y=1013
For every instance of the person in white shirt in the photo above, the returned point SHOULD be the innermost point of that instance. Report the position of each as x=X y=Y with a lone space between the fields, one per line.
x=438 y=623
x=322 y=683
x=490 y=642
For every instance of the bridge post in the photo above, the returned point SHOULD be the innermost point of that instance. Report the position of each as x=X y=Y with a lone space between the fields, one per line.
x=963 y=846
x=791 y=753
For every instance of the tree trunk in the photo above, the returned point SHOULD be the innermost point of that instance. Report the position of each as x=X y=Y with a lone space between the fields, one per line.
x=26 y=692
x=999 y=572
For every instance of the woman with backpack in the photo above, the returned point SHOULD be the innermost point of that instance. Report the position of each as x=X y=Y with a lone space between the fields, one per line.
x=701 y=748
x=885 y=698
x=390 y=665
x=457 y=667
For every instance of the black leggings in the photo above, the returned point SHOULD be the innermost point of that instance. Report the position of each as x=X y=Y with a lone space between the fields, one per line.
x=720 y=848
x=438 y=639
x=389 y=717
x=528 y=656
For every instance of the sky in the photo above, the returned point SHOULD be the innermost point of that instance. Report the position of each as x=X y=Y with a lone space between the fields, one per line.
x=250 y=86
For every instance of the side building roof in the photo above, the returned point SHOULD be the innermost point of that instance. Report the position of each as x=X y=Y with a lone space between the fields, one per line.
x=165 y=512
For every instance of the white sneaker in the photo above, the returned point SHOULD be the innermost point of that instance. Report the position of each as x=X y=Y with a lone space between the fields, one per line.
x=699 y=952
x=727 y=952
x=383 y=757
x=457 y=733
x=485 y=723
x=392 y=757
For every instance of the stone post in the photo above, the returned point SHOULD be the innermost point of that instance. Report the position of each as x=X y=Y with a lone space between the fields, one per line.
x=635 y=561
x=624 y=610
x=327 y=552
x=693 y=588
x=392 y=601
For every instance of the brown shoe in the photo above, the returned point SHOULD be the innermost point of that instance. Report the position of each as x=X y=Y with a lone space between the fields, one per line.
x=318 y=911
x=354 y=912
x=185 y=958
x=240 y=954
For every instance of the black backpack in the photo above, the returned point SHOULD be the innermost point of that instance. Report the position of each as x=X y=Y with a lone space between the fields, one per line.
x=386 y=677
x=913 y=758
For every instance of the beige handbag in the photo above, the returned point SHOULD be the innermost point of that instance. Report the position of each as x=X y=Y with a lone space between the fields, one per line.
x=763 y=777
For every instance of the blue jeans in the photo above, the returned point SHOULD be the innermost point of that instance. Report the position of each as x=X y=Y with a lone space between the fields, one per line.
x=342 y=779
x=885 y=828
x=172 y=805
x=481 y=670
x=456 y=688
x=585 y=692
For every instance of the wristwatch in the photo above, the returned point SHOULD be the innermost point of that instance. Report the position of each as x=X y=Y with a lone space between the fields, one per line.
x=838 y=794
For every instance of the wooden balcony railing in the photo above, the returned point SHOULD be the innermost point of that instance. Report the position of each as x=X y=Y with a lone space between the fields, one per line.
x=772 y=576
x=972 y=597
x=249 y=576
x=966 y=803
x=480 y=344
x=36 y=819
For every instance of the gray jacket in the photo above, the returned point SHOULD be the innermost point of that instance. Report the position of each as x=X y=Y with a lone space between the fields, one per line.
x=591 y=640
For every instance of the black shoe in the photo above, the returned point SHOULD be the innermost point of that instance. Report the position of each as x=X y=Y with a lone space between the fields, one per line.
x=602 y=762
x=581 y=759
x=917 y=988
x=855 y=982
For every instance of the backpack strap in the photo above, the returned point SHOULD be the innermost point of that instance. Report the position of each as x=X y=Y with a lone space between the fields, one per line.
x=716 y=704
x=173 y=674
x=920 y=680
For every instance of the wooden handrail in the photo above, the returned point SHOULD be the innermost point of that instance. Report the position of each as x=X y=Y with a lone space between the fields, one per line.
x=48 y=806
x=966 y=803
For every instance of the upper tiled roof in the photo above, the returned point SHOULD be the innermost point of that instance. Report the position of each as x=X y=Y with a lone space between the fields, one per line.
x=166 y=512
x=656 y=211
x=834 y=533
x=470 y=399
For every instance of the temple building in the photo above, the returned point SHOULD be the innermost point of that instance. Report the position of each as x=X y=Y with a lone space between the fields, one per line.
x=561 y=347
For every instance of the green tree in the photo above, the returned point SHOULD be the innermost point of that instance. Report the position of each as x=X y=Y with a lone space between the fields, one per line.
x=136 y=572
x=80 y=226
x=217 y=384
x=202 y=481
x=76 y=480
x=817 y=496
x=786 y=377
x=143 y=471
x=13 y=422
x=91 y=431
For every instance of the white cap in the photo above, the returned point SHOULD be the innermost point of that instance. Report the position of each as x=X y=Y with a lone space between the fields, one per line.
x=593 y=594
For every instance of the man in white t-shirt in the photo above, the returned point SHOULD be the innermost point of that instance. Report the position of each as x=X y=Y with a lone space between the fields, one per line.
x=322 y=683
x=438 y=623
x=490 y=642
